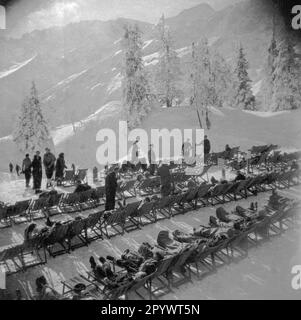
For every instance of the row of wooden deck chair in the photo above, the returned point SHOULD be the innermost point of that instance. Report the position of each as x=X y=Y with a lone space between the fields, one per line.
x=80 y=232
x=21 y=257
x=198 y=259
x=70 y=177
x=231 y=155
x=33 y=209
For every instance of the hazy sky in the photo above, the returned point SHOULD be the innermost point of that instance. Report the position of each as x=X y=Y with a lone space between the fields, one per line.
x=27 y=15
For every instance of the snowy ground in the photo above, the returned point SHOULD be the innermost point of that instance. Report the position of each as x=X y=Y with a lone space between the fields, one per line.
x=265 y=274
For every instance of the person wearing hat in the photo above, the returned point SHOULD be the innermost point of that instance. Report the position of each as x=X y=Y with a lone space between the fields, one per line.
x=60 y=167
x=49 y=164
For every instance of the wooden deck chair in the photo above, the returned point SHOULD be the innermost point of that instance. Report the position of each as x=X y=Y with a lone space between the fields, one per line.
x=92 y=230
x=70 y=203
x=146 y=212
x=9 y=258
x=189 y=198
x=76 y=234
x=120 y=291
x=19 y=212
x=143 y=283
x=86 y=200
x=110 y=224
x=217 y=194
x=56 y=241
x=53 y=205
x=130 y=217
x=162 y=208
x=81 y=175
x=30 y=254
x=176 y=204
x=180 y=266
x=5 y=221
x=230 y=192
x=100 y=193
x=241 y=190
x=69 y=178
x=200 y=259
x=204 y=194
x=38 y=208
x=236 y=245
x=127 y=189
x=160 y=274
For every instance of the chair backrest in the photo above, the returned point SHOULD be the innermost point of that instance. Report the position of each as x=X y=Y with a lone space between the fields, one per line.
x=203 y=190
x=81 y=174
x=76 y=227
x=71 y=198
x=3 y=212
x=131 y=208
x=128 y=185
x=146 y=208
x=69 y=175
x=21 y=207
x=39 y=204
x=100 y=192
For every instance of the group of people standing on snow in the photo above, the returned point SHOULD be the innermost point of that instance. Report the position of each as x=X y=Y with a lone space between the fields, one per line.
x=33 y=168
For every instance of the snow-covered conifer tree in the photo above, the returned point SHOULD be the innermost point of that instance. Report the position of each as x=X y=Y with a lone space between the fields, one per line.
x=136 y=92
x=31 y=132
x=286 y=78
x=244 y=96
x=168 y=73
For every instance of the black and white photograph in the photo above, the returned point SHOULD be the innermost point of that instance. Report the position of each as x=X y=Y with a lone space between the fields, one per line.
x=150 y=150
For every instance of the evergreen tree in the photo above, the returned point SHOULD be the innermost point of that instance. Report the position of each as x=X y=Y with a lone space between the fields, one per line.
x=168 y=72
x=136 y=92
x=286 y=76
x=244 y=96
x=203 y=88
x=32 y=132
x=267 y=87
x=224 y=81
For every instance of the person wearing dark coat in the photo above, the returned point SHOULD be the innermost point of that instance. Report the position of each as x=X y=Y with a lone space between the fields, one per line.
x=207 y=145
x=49 y=164
x=60 y=167
x=111 y=187
x=37 y=172
x=26 y=169
x=207 y=148
x=18 y=169
x=11 y=168
x=166 y=180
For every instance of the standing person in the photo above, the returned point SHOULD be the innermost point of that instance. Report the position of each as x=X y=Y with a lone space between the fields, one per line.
x=49 y=164
x=18 y=169
x=11 y=167
x=60 y=167
x=166 y=181
x=37 y=172
x=135 y=152
x=26 y=169
x=207 y=147
x=73 y=167
x=111 y=187
x=151 y=159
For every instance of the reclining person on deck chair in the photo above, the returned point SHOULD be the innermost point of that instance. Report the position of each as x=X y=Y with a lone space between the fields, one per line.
x=81 y=187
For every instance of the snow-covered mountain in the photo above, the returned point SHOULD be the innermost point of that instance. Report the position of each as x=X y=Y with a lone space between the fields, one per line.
x=77 y=68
